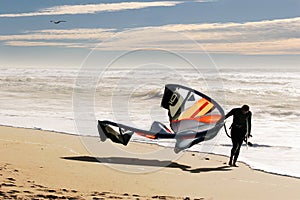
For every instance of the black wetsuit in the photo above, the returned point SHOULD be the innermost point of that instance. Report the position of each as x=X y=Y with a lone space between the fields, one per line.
x=241 y=122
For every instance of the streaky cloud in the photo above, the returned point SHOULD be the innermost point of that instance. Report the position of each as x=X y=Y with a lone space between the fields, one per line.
x=62 y=34
x=279 y=36
x=93 y=8
x=37 y=43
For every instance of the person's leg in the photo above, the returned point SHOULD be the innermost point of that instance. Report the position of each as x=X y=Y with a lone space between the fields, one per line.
x=239 y=141
x=234 y=140
x=236 y=154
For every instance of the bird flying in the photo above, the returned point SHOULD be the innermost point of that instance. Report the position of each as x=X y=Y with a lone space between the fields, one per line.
x=57 y=22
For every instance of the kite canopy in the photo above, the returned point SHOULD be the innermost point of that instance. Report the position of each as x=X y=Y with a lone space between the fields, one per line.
x=193 y=116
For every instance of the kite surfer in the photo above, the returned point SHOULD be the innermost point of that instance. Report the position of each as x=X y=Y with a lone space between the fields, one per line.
x=240 y=129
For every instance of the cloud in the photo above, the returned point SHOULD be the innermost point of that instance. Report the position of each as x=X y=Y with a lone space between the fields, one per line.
x=55 y=34
x=280 y=28
x=262 y=37
x=281 y=36
x=36 y=43
x=93 y=8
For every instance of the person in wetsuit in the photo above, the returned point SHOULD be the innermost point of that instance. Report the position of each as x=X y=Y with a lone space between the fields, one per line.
x=240 y=128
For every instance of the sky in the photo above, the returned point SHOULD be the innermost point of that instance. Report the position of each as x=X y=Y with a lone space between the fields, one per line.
x=235 y=33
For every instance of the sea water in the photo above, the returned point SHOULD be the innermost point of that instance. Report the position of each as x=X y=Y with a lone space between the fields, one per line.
x=44 y=99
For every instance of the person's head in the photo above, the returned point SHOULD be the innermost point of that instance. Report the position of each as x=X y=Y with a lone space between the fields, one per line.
x=245 y=109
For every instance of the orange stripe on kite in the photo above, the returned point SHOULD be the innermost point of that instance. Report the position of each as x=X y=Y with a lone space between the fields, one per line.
x=204 y=119
x=150 y=136
x=210 y=119
x=146 y=135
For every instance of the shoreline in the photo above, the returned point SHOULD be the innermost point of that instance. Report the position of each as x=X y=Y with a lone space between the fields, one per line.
x=211 y=153
x=42 y=164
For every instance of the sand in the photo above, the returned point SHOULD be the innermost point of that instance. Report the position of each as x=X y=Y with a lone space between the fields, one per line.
x=38 y=164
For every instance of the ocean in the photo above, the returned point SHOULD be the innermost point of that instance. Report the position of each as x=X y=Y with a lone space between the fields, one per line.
x=71 y=100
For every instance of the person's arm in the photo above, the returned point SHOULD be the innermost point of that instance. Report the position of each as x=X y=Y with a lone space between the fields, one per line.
x=229 y=114
x=249 y=124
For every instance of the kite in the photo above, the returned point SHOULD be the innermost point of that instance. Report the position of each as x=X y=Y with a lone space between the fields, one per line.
x=193 y=117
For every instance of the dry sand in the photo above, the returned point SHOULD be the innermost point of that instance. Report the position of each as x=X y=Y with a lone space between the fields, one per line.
x=46 y=165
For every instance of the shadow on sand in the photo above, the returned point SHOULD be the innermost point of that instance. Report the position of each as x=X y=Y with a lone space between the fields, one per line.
x=250 y=145
x=145 y=162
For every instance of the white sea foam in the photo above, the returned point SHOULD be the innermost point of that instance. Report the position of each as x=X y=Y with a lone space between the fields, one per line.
x=43 y=99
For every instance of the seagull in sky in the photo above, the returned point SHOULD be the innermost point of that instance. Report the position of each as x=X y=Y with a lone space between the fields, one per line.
x=57 y=22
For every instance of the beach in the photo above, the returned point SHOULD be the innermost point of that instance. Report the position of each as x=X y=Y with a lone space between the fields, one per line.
x=49 y=99
x=69 y=69
x=37 y=164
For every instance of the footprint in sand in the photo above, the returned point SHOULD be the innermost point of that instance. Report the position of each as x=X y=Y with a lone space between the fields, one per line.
x=52 y=191
x=11 y=179
x=64 y=190
x=8 y=185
